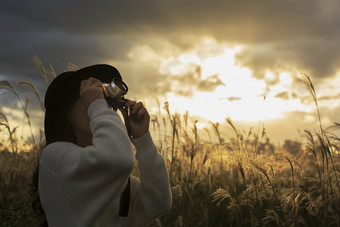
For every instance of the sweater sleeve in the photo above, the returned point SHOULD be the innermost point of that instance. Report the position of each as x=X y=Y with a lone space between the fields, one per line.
x=153 y=197
x=90 y=178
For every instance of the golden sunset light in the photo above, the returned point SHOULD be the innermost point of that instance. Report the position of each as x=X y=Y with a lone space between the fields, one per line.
x=208 y=82
x=231 y=116
x=231 y=67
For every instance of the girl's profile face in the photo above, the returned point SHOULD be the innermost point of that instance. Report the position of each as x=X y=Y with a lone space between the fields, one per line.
x=80 y=121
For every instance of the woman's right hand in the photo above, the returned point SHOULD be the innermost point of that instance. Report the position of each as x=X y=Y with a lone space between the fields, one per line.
x=136 y=117
x=90 y=90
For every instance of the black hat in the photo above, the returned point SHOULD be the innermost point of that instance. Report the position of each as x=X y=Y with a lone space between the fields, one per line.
x=64 y=90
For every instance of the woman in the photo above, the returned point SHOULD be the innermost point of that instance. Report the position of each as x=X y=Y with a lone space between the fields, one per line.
x=85 y=169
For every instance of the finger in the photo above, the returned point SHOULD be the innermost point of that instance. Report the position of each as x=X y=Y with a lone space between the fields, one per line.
x=94 y=83
x=104 y=91
x=82 y=87
x=136 y=107
x=142 y=114
x=92 y=80
x=98 y=84
x=83 y=83
x=86 y=83
x=129 y=103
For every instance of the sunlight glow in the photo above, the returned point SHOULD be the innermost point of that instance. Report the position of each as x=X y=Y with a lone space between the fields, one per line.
x=18 y=122
x=237 y=94
x=243 y=97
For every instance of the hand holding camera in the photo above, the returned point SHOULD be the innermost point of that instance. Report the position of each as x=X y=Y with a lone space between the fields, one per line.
x=90 y=90
x=114 y=93
x=136 y=117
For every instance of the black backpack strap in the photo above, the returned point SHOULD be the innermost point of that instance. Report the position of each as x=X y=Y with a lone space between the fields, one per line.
x=125 y=201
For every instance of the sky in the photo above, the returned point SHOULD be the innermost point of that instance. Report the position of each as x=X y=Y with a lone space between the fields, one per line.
x=214 y=59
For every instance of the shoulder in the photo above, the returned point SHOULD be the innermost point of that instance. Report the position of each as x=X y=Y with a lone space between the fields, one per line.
x=52 y=152
x=58 y=147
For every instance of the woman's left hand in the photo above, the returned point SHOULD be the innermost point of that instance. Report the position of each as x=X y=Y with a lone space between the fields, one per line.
x=136 y=117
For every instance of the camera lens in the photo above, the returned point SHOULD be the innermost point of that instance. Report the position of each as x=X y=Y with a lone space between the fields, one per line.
x=120 y=84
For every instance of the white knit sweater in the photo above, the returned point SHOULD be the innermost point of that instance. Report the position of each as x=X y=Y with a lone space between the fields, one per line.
x=82 y=186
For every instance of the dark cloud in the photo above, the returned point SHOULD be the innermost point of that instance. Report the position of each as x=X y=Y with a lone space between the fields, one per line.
x=58 y=49
x=159 y=84
x=232 y=98
x=282 y=35
x=277 y=35
x=210 y=83
x=246 y=20
x=282 y=95
x=330 y=97
x=286 y=95
x=187 y=84
x=318 y=57
x=155 y=83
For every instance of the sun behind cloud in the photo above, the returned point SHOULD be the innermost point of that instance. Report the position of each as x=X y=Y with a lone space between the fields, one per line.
x=240 y=95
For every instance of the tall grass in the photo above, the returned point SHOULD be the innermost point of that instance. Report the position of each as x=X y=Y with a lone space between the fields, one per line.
x=217 y=181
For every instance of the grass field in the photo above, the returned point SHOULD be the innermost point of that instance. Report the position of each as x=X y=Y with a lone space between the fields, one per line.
x=237 y=181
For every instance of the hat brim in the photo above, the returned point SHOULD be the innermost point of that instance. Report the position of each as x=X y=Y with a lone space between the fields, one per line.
x=103 y=72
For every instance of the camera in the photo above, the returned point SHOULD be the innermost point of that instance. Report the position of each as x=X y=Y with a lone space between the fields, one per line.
x=114 y=93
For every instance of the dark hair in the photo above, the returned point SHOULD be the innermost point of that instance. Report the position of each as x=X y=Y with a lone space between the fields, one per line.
x=62 y=131
x=60 y=128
